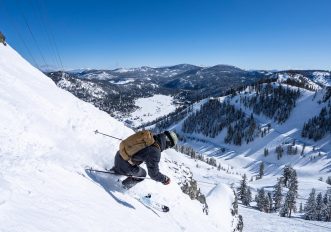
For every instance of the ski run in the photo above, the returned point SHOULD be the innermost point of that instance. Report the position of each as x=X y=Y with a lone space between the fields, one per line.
x=47 y=140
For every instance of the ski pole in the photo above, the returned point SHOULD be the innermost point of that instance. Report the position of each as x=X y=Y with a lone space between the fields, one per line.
x=113 y=173
x=97 y=132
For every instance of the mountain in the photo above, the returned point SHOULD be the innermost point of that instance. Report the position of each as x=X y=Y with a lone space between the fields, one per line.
x=120 y=92
x=47 y=141
x=274 y=112
x=116 y=91
x=283 y=120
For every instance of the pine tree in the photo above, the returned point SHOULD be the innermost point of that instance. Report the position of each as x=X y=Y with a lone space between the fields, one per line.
x=292 y=193
x=284 y=209
x=244 y=193
x=324 y=210
x=266 y=152
x=278 y=194
x=248 y=199
x=328 y=180
x=266 y=204
x=288 y=206
x=325 y=199
x=279 y=152
x=261 y=170
x=328 y=210
x=319 y=207
x=270 y=202
x=301 y=208
x=242 y=188
x=260 y=200
x=286 y=174
x=310 y=207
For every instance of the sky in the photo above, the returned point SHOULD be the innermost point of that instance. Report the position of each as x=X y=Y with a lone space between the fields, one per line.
x=249 y=34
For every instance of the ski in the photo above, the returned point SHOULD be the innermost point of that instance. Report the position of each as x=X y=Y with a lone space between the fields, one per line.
x=110 y=171
x=145 y=199
x=148 y=202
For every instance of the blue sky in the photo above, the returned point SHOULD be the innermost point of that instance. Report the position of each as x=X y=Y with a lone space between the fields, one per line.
x=250 y=34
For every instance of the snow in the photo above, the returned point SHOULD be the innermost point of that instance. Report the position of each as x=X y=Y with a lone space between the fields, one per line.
x=299 y=78
x=100 y=76
x=151 y=108
x=47 y=140
x=247 y=158
x=256 y=221
x=209 y=179
x=91 y=88
x=123 y=82
x=79 y=70
x=323 y=78
x=215 y=196
x=122 y=70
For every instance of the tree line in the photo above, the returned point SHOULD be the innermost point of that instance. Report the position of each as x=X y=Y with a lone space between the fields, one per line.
x=214 y=116
x=273 y=101
x=319 y=126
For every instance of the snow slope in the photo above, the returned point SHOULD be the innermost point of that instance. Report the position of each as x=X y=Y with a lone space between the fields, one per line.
x=248 y=156
x=311 y=166
x=208 y=176
x=47 y=140
x=149 y=109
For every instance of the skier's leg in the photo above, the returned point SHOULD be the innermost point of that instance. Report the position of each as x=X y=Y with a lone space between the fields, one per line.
x=123 y=167
x=132 y=181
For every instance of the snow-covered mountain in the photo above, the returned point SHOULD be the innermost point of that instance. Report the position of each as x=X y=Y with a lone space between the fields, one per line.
x=123 y=88
x=46 y=141
x=120 y=92
x=267 y=126
x=248 y=155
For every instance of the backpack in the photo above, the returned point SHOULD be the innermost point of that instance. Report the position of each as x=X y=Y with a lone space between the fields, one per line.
x=135 y=143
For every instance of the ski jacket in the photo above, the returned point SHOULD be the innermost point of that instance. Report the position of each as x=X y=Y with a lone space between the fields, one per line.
x=151 y=156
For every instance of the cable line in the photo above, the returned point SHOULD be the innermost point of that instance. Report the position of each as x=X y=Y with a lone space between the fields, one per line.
x=42 y=4
x=50 y=49
x=32 y=35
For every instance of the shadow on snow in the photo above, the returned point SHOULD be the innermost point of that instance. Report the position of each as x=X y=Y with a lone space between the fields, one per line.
x=110 y=185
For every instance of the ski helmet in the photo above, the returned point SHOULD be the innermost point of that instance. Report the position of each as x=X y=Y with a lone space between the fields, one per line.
x=171 y=137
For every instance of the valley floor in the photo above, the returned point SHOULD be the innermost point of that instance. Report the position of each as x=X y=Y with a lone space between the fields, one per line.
x=256 y=221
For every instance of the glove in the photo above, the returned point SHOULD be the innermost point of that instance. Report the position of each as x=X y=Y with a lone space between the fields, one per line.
x=166 y=181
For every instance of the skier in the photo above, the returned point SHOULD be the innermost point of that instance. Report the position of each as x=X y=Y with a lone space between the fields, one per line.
x=128 y=164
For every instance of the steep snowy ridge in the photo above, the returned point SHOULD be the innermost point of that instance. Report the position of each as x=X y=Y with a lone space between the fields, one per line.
x=47 y=140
